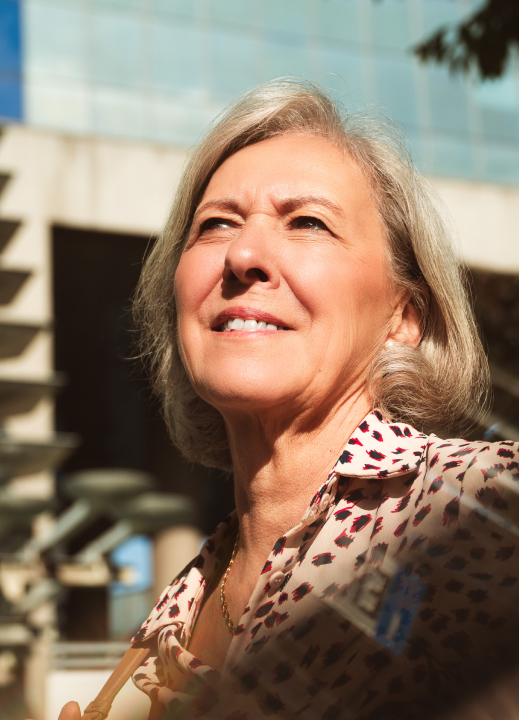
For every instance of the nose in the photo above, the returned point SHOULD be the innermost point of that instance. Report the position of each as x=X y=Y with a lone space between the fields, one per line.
x=251 y=258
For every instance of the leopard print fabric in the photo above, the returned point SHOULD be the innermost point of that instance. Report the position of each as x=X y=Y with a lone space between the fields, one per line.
x=442 y=514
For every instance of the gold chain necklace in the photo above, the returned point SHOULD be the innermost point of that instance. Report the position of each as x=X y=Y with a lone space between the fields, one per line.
x=223 y=601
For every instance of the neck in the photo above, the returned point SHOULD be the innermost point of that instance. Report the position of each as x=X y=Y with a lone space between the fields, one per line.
x=278 y=467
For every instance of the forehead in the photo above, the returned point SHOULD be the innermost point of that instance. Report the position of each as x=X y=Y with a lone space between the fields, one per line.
x=293 y=165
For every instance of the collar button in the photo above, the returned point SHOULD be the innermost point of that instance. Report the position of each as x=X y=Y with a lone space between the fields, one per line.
x=276 y=580
x=325 y=501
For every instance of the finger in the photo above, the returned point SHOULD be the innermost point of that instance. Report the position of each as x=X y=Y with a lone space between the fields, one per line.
x=70 y=711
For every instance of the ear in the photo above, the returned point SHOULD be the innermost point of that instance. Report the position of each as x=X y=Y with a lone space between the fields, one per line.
x=405 y=327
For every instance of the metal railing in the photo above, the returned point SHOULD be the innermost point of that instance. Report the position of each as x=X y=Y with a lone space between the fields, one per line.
x=86 y=655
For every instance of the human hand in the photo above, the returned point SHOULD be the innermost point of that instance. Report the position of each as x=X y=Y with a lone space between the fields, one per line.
x=70 y=711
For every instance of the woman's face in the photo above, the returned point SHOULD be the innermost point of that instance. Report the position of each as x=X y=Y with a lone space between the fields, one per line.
x=283 y=292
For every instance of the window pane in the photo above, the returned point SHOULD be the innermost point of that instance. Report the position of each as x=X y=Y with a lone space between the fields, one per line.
x=10 y=35
x=233 y=12
x=390 y=24
x=448 y=100
x=452 y=157
x=502 y=163
x=440 y=12
x=284 y=56
x=290 y=16
x=175 y=59
x=338 y=20
x=343 y=75
x=231 y=63
x=55 y=40
x=10 y=100
x=498 y=103
x=179 y=121
x=61 y=104
x=395 y=89
x=118 y=48
x=140 y=4
x=119 y=112
x=183 y=8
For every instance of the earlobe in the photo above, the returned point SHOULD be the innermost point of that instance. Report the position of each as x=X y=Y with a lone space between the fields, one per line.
x=407 y=329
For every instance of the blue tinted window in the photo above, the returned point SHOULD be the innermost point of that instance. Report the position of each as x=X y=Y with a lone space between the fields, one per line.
x=120 y=112
x=395 y=88
x=118 y=53
x=10 y=100
x=285 y=15
x=233 y=12
x=56 y=40
x=436 y=13
x=175 y=60
x=144 y=4
x=337 y=19
x=10 y=60
x=390 y=23
x=163 y=69
x=502 y=162
x=342 y=73
x=452 y=157
x=499 y=107
x=448 y=100
x=182 y=8
x=231 y=63
x=284 y=55
x=135 y=553
x=181 y=119
x=60 y=103
x=10 y=34
x=417 y=148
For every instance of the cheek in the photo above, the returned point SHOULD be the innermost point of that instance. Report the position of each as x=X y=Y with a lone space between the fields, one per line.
x=344 y=287
x=198 y=273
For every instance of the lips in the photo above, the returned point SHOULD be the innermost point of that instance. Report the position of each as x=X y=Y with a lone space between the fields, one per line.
x=247 y=320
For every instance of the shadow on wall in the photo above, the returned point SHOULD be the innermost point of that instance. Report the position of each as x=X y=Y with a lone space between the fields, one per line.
x=497 y=309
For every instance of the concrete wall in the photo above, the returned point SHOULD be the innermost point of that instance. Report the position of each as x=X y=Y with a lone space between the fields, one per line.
x=486 y=222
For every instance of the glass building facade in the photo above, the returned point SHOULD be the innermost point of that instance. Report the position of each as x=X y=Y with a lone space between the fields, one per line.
x=160 y=70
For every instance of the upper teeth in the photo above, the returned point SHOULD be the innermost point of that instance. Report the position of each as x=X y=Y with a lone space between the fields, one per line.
x=249 y=325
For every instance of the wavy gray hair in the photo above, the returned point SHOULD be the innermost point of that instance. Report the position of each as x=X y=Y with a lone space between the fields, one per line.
x=443 y=384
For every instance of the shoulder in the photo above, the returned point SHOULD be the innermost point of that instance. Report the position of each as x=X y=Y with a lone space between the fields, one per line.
x=484 y=476
x=460 y=455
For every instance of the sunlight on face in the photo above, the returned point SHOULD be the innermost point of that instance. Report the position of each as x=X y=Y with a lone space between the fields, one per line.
x=283 y=291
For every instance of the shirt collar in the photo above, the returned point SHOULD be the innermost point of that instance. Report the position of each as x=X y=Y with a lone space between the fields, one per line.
x=378 y=449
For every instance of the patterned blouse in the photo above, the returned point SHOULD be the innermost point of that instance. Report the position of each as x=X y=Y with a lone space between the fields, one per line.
x=395 y=596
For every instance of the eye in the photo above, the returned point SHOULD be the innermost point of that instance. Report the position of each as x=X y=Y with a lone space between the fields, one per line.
x=308 y=223
x=216 y=223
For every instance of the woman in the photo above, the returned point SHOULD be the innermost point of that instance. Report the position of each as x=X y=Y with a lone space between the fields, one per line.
x=302 y=311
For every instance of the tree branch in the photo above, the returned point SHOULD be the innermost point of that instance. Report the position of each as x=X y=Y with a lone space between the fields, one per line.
x=485 y=40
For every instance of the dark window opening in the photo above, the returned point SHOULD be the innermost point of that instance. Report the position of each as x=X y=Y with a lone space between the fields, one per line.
x=107 y=400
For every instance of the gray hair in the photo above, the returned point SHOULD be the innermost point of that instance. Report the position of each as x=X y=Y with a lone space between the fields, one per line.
x=443 y=384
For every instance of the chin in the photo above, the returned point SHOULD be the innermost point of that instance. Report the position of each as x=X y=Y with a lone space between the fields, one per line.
x=243 y=394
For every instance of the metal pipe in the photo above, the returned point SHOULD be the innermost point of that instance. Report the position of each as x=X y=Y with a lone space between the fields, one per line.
x=106 y=542
x=66 y=525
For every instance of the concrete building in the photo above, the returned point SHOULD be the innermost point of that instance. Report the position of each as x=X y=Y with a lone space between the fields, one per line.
x=99 y=102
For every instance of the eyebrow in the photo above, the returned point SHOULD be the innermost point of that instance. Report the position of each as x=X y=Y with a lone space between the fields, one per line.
x=296 y=203
x=287 y=205
x=226 y=204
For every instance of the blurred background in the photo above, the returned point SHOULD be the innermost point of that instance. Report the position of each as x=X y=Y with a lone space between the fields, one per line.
x=99 y=102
